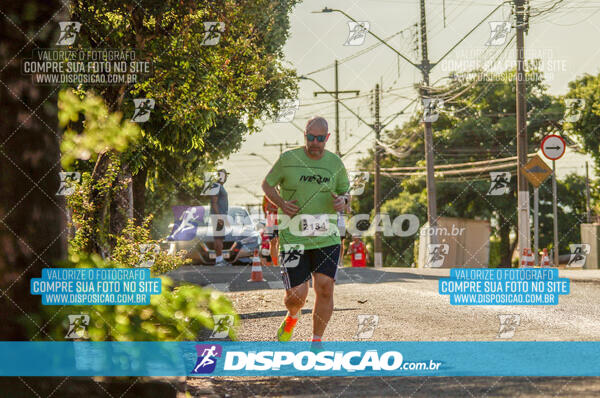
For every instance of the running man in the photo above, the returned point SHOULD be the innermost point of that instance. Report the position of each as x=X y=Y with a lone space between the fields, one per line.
x=313 y=183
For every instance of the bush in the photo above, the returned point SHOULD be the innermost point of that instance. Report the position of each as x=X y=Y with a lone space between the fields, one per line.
x=178 y=314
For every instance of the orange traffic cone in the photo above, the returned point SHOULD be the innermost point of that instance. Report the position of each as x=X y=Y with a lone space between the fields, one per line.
x=524 y=258
x=531 y=259
x=527 y=258
x=545 y=259
x=256 y=275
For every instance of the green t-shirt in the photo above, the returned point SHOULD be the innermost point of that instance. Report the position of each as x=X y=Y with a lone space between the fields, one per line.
x=311 y=183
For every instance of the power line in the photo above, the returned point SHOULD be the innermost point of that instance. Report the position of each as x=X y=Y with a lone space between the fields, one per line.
x=455 y=165
x=542 y=12
x=357 y=54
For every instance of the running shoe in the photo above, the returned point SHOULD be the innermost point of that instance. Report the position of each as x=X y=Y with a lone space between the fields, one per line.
x=286 y=329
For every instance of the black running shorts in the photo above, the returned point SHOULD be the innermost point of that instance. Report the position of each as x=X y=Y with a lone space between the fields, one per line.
x=298 y=265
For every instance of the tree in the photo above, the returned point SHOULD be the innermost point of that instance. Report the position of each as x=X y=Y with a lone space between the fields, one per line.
x=584 y=128
x=208 y=97
x=583 y=120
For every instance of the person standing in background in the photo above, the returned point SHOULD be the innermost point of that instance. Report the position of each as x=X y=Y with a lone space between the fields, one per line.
x=219 y=207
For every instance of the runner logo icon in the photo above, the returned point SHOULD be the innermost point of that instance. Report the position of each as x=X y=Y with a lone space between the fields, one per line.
x=508 y=325
x=290 y=256
x=212 y=33
x=437 y=254
x=357 y=33
x=78 y=326
x=573 y=109
x=579 y=253
x=500 y=181
x=68 y=179
x=366 y=326
x=222 y=325
x=68 y=33
x=207 y=358
x=499 y=32
x=358 y=180
x=143 y=107
x=431 y=109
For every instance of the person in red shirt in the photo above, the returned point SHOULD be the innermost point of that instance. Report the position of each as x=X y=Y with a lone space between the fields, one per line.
x=265 y=249
x=358 y=252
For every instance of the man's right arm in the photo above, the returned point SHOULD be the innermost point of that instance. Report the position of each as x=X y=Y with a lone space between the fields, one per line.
x=272 y=194
x=288 y=207
x=274 y=178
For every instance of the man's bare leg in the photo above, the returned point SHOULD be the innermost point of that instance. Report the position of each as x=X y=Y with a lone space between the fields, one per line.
x=323 y=309
x=295 y=298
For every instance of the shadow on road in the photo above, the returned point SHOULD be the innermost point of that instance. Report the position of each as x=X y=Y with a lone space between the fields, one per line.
x=271 y=314
x=236 y=278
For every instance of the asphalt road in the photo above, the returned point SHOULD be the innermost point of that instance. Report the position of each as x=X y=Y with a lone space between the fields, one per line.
x=409 y=308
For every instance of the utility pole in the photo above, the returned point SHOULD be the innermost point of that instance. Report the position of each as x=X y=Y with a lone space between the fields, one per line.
x=336 y=94
x=588 y=208
x=281 y=145
x=377 y=188
x=536 y=225
x=430 y=181
x=555 y=213
x=523 y=229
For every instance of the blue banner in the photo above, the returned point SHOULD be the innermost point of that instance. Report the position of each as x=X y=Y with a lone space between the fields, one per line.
x=95 y=286
x=504 y=286
x=225 y=358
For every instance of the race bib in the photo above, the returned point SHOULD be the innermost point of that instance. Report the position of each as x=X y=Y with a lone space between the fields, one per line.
x=358 y=256
x=314 y=224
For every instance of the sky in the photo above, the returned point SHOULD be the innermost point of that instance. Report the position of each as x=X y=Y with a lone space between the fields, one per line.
x=562 y=38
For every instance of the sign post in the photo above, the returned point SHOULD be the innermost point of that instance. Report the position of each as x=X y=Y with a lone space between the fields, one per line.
x=553 y=147
x=555 y=213
x=536 y=225
x=536 y=171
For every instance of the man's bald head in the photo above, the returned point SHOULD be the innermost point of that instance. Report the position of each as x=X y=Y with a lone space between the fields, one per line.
x=316 y=123
x=316 y=129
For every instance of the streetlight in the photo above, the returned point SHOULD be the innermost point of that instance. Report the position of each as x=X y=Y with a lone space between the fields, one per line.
x=329 y=10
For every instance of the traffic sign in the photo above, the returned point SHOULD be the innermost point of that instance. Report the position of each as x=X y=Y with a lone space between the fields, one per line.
x=536 y=171
x=553 y=146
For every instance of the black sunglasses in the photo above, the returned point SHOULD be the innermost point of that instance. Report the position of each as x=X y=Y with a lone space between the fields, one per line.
x=320 y=138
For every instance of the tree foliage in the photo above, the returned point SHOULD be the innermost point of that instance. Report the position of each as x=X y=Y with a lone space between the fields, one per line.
x=477 y=123
x=207 y=97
